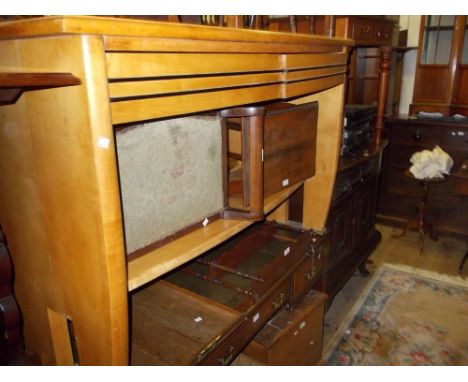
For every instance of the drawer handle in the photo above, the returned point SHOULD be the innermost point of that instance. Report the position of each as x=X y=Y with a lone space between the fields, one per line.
x=417 y=136
x=280 y=302
x=223 y=361
x=309 y=275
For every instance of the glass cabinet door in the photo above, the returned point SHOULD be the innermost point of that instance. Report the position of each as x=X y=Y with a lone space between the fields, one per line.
x=437 y=40
x=464 y=56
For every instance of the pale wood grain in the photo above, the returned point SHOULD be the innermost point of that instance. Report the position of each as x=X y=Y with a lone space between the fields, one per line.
x=135 y=65
x=69 y=255
x=123 y=27
x=319 y=189
x=179 y=85
x=149 y=108
x=161 y=44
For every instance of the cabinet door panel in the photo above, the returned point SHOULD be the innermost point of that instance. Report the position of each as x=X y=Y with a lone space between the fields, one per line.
x=364 y=207
x=341 y=225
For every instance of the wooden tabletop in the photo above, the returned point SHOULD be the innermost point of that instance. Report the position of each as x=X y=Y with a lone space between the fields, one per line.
x=129 y=27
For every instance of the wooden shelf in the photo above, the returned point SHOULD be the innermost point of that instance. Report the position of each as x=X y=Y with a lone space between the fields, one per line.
x=12 y=85
x=157 y=262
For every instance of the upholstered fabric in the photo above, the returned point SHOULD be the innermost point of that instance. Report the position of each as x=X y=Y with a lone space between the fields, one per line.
x=170 y=176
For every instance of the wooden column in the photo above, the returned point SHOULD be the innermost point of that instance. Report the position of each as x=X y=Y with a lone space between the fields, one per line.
x=384 y=75
x=329 y=26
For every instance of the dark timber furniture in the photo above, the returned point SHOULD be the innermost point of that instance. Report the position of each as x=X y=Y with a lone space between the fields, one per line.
x=400 y=195
x=423 y=225
x=460 y=176
x=352 y=216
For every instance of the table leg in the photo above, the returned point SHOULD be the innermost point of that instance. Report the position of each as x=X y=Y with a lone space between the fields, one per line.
x=463 y=262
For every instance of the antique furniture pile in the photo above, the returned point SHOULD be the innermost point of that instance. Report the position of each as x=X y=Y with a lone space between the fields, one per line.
x=157 y=212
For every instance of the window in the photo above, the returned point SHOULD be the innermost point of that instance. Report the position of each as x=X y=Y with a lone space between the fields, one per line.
x=437 y=41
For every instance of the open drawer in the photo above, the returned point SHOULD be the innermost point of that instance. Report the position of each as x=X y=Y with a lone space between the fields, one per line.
x=207 y=311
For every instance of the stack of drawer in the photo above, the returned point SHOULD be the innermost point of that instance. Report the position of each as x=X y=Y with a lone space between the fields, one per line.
x=207 y=311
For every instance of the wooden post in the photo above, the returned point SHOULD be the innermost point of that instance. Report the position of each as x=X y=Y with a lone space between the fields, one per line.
x=235 y=21
x=384 y=74
x=329 y=26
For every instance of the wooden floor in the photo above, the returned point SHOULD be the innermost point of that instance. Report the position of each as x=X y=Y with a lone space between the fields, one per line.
x=442 y=256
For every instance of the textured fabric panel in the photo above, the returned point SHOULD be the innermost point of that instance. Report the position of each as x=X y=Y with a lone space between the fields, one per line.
x=170 y=176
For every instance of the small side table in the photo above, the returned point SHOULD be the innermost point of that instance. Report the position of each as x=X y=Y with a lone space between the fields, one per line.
x=422 y=225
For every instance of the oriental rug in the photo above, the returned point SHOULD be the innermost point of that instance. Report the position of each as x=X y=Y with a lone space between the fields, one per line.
x=405 y=317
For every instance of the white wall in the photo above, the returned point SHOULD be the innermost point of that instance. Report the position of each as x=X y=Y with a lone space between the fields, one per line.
x=410 y=23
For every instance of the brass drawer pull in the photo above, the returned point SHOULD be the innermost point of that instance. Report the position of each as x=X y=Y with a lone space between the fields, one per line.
x=223 y=361
x=280 y=302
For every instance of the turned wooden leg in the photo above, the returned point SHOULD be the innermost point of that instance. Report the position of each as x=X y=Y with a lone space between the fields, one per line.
x=363 y=270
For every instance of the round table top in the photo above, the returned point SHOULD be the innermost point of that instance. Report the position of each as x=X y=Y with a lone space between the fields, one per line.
x=410 y=175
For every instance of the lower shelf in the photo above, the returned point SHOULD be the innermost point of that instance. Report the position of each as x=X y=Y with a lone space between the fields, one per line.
x=158 y=262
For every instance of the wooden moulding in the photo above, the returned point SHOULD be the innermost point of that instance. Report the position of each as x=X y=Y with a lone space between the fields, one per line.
x=141 y=28
x=151 y=85
x=12 y=85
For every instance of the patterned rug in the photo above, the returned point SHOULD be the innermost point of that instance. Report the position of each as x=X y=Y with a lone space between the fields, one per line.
x=405 y=317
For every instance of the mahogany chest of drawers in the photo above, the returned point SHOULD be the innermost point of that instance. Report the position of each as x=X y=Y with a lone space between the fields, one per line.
x=399 y=196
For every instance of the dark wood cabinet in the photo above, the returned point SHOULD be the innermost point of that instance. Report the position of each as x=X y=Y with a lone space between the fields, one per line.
x=370 y=33
x=352 y=215
x=400 y=196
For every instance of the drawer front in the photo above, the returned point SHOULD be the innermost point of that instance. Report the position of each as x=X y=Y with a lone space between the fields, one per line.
x=308 y=271
x=400 y=154
x=383 y=34
x=304 y=277
x=344 y=182
x=424 y=135
x=444 y=215
x=236 y=341
x=363 y=30
x=302 y=344
x=347 y=179
x=397 y=181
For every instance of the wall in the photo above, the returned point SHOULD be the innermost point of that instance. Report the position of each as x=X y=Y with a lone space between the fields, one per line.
x=410 y=23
